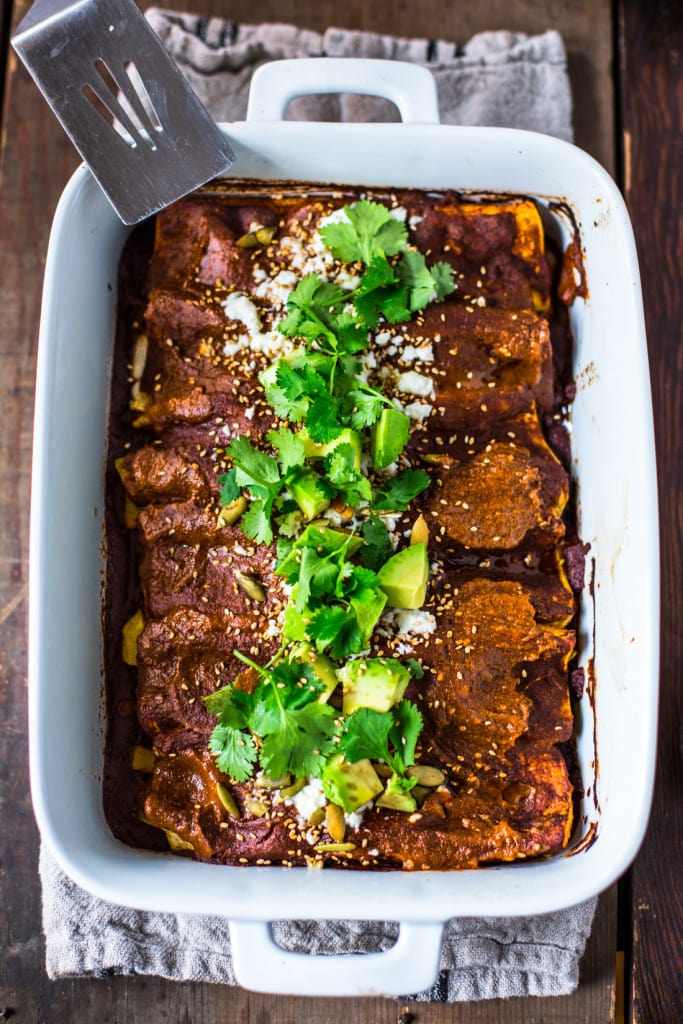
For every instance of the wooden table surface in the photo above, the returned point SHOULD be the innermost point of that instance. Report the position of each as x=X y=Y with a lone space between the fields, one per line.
x=626 y=67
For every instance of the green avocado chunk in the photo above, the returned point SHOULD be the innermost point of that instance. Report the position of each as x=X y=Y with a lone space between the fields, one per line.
x=388 y=438
x=313 y=450
x=350 y=785
x=376 y=683
x=308 y=494
x=403 y=577
x=397 y=795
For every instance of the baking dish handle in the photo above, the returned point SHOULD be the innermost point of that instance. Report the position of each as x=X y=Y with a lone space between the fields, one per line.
x=411 y=87
x=410 y=965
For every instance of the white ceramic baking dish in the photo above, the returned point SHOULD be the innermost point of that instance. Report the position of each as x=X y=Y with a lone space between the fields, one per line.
x=614 y=463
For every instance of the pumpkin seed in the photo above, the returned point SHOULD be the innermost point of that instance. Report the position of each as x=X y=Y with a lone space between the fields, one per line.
x=318 y=817
x=228 y=800
x=335 y=847
x=334 y=822
x=383 y=770
x=420 y=531
x=426 y=775
x=229 y=514
x=292 y=790
x=256 y=807
x=437 y=459
x=251 y=587
x=419 y=793
x=176 y=843
x=253 y=239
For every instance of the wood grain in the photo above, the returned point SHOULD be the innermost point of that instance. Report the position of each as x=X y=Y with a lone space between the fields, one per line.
x=35 y=163
x=651 y=45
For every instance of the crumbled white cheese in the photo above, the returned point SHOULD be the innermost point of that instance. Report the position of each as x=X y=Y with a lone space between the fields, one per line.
x=355 y=818
x=416 y=622
x=414 y=383
x=308 y=799
x=277 y=289
x=415 y=220
x=348 y=282
x=239 y=550
x=307 y=256
x=238 y=307
x=249 y=413
x=383 y=338
x=417 y=410
x=399 y=212
x=336 y=217
x=423 y=353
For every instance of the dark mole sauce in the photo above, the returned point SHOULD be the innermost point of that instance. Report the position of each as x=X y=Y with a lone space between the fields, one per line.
x=502 y=733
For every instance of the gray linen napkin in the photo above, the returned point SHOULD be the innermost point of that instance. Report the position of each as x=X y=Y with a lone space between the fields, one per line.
x=498 y=78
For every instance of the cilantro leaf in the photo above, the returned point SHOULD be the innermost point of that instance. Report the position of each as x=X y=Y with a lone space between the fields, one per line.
x=256 y=522
x=378 y=547
x=423 y=283
x=322 y=418
x=371 y=231
x=442 y=276
x=235 y=751
x=396 y=493
x=312 y=306
x=405 y=731
x=416 y=668
x=368 y=604
x=389 y=736
x=336 y=627
x=303 y=739
x=254 y=469
x=366 y=408
x=381 y=293
x=366 y=735
x=230 y=741
x=229 y=489
x=289 y=446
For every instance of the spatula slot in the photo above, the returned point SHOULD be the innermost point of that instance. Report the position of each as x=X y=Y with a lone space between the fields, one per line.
x=103 y=109
x=131 y=98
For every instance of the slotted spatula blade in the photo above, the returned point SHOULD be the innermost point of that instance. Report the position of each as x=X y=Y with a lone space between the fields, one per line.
x=122 y=101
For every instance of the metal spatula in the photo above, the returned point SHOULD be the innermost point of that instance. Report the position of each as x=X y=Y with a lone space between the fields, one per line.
x=122 y=101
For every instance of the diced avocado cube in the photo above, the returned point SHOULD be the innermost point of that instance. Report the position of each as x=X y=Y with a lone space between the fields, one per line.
x=350 y=785
x=376 y=683
x=403 y=578
x=314 y=450
x=397 y=795
x=323 y=668
x=308 y=494
x=388 y=438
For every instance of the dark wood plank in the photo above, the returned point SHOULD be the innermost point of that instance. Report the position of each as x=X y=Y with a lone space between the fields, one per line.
x=651 y=44
x=36 y=161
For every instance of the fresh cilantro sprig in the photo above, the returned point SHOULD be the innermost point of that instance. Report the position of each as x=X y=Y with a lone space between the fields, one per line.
x=369 y=231
x=334 y=324
x=397 y=492
x=335 y=602
x=389 y=736
x=281 y=725
x=264 y=477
